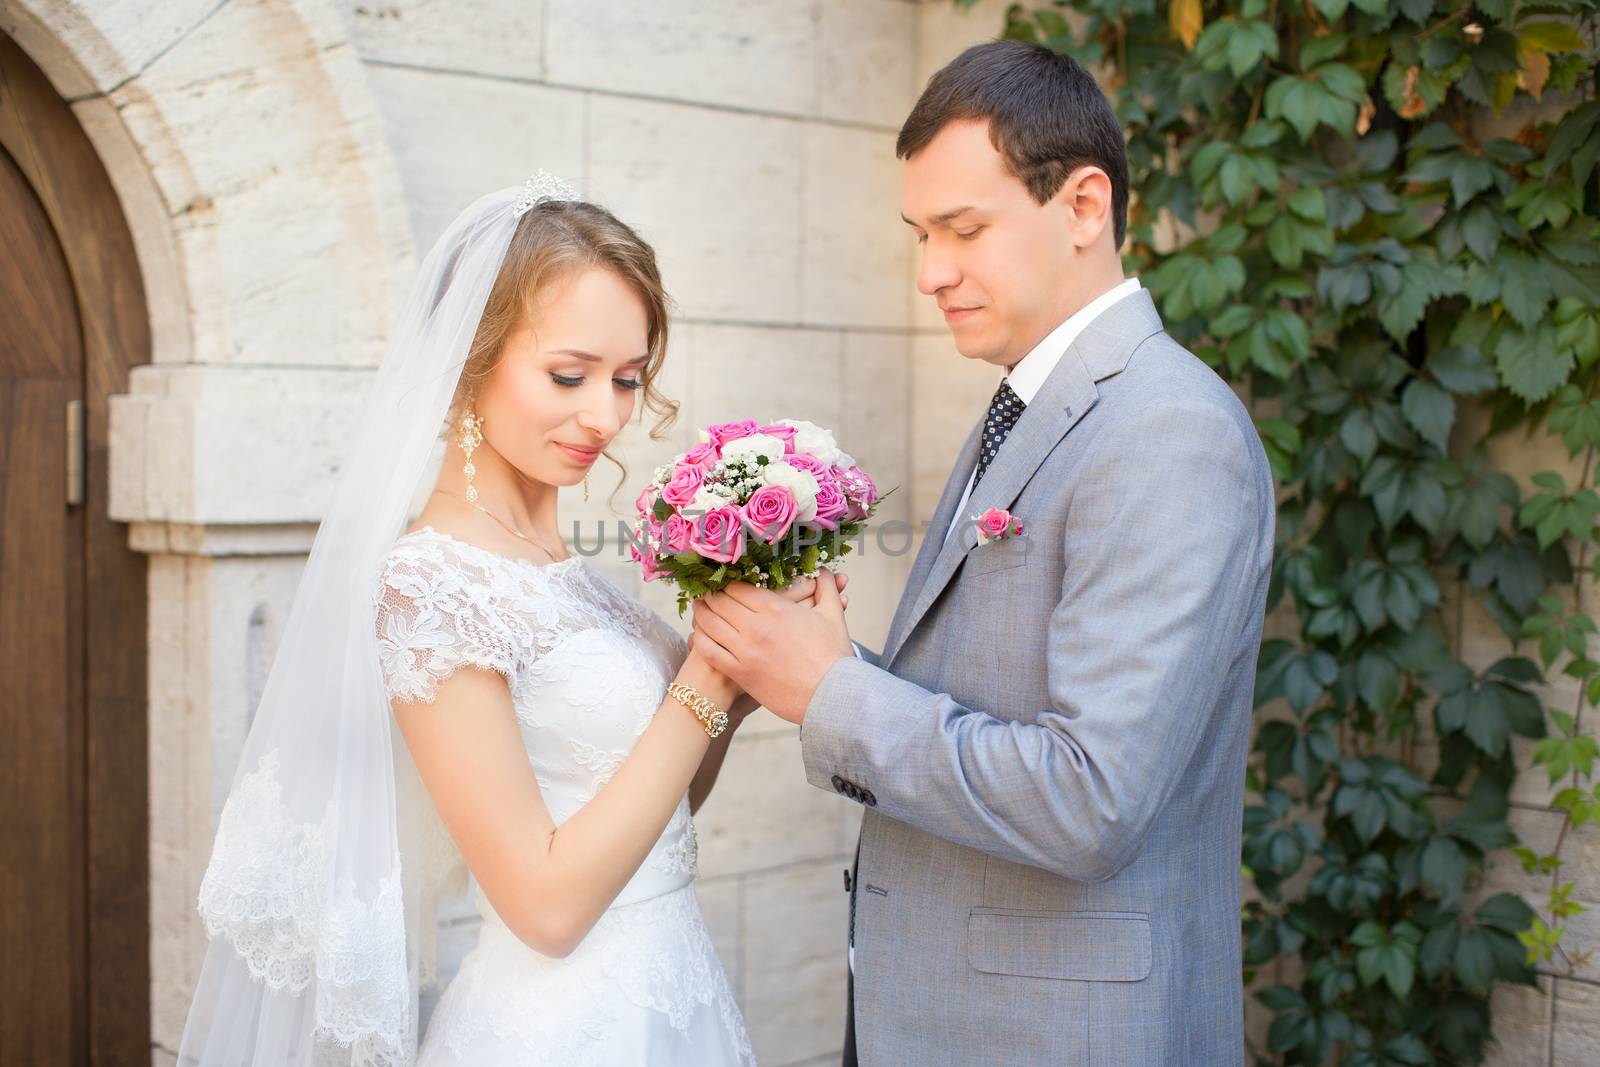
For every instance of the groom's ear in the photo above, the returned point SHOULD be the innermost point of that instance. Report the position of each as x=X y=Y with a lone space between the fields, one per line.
x=1085 y=199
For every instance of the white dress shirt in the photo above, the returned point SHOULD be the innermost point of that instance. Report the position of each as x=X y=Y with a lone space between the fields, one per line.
x=1027 y=376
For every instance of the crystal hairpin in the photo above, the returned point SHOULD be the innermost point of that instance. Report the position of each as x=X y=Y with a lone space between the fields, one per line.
x=542 y=188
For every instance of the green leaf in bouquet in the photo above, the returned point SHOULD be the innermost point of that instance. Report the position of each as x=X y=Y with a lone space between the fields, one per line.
x=662 y=510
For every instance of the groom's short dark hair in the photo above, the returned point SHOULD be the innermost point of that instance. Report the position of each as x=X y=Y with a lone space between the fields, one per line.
x=1046 y=116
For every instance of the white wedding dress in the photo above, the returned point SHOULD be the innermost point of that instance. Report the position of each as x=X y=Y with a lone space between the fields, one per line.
x=587 y=666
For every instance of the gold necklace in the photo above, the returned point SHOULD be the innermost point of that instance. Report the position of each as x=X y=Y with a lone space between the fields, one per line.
x=507 y=526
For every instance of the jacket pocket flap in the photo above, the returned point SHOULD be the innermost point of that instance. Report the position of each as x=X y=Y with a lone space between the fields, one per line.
x=1090 y=946
x=996 y=556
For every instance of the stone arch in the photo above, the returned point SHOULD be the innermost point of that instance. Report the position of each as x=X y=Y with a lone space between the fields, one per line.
x=273 y=241
x=247 y=151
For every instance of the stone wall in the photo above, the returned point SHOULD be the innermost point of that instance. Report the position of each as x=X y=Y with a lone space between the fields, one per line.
x=752 y=144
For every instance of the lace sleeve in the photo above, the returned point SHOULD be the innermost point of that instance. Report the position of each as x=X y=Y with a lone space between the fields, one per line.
x=432 y=620
x=666 y=638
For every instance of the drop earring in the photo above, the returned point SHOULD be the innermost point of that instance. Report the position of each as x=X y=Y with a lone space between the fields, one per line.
x=471 y=438
x=585 y=488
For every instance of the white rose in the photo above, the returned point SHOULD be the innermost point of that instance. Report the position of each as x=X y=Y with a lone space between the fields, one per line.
x=708 y=497
x=748 y=448
x=809 y=437
x=798 y=482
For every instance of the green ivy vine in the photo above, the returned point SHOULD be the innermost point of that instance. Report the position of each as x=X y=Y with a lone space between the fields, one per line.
x=1382 y=220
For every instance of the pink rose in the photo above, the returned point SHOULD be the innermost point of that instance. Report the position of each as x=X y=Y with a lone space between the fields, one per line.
x=723 y=432
x=813 y=466
x=831 y=504
x=702 y=455
x=997 y=524
x=994 y=522
x=684 y=484
x=719 y=534
x=649 y=563
x=677 y=533
x=770 y=512
x=646 y=504
x=860 y=489
x=782 y=433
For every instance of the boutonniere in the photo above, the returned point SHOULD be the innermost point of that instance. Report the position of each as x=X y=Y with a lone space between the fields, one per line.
x=996 y=524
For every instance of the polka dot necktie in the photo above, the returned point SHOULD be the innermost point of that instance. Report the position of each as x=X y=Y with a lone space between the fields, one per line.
x=1004 y=411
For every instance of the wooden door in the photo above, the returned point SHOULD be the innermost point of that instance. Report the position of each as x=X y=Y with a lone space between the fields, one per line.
x=74 y=924
x=41 y=648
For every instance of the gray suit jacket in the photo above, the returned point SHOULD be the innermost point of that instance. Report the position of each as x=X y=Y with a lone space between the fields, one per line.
x=1050 y=750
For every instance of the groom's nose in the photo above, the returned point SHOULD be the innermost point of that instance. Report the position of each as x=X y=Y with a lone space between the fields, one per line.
x=938 y=271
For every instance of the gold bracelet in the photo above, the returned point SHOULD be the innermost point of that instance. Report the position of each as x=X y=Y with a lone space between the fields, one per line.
x=711 y=717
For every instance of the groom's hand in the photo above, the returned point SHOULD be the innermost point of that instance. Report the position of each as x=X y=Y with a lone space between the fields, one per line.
x=772 y=648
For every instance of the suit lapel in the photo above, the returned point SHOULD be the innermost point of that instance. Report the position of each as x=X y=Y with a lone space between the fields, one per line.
x=933 y=539
x=1100 y=351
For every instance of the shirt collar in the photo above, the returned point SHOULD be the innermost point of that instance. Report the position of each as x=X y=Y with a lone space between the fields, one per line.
x=1027 y=377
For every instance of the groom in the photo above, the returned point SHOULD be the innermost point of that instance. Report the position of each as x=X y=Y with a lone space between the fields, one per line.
x=1050 y=749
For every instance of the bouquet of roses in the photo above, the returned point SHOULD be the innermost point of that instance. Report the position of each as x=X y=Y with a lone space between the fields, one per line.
x=751 y=503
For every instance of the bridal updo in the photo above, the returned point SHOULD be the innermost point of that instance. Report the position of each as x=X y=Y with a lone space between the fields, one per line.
x=552 y=239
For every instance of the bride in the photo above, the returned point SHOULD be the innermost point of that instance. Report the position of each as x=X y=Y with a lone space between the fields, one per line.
x=539 y=743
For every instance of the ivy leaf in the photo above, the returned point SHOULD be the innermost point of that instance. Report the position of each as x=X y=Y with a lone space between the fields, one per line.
x=1309 y=203
x=1344 y=287
x=1531 y=364
x=1550 y=37
x=1407 y=1049
x=1462 y=369
x=1421 y=281
x=1439 y=949
x=1474 y=962
x=1481 y=228
x=1576 y=419
x=1328 y=95
x=1184 y=16
x=1430 y=411
x=1578 y=329
x=1506 y=912
x=1357 y=434
x=1577 y=139
x=1282 y=442
x=1463 y=1026
x=1523 y=286
x=1319 y=50
x=1444 y=867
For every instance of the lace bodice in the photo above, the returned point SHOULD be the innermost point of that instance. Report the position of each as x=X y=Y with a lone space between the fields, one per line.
x=587 y=666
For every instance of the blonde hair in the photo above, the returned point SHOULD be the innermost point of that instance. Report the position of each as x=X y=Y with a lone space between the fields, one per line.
x=552 y=240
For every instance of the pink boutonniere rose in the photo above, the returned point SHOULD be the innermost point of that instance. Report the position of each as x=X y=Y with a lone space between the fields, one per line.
x=996 y=524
